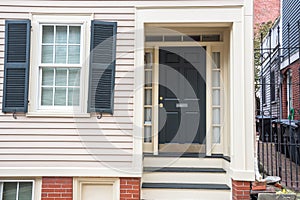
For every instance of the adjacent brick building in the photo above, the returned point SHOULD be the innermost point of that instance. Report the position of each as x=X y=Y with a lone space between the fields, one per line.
x=264 y=11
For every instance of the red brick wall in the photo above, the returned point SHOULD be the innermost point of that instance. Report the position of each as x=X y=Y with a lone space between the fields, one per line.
x=57 y=188
x=265 y=10
x=240 y=190
x=294 y=67
x=130 y=188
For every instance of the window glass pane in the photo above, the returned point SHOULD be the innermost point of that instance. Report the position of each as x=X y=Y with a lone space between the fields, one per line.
x=216 y=135
x=61 y=76
x=147 y=133
x=61 y=34
x=216 y=97
x=9 y=191
x=74 y=77
x=148 y=115
x=148 y=78
x=148 y=97
x=216 y=79
x=48 y=34
x=216 y=60
x=216 y=115
x=73 y=97
x=74 y=34
x=148 y=60
x=48 y=75
x=47 y=54
x=74 y=54
x=60 y=97
x=60 y=54
x=25 y=191
x=47 y=96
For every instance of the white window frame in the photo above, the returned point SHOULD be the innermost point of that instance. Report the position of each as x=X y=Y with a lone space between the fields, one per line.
x=35 y=108
x=33 y=195
x=55 y=66
x=289 y=91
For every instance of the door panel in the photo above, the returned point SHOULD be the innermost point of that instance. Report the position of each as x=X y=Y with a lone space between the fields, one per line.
x=182 y=92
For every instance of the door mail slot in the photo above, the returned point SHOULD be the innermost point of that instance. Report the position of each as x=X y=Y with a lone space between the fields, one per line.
x=181 y=105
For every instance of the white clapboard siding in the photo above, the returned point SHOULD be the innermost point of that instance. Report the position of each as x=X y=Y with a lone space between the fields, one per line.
x=66 y=132
x=32 y=141
x=67 y=165
x=63 y=145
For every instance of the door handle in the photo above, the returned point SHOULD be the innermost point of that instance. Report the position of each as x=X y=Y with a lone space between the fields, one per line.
x=161 y=105
x=161 y=98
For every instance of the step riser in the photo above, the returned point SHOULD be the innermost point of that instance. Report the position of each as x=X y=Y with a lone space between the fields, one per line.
x=171 y=177
x=182 y=162
x=185 y=194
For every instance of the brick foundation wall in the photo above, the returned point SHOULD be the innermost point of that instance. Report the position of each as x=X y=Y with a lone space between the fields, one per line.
x=130 y=188
x=57 y=188
x=294 y=68
x=240 y=190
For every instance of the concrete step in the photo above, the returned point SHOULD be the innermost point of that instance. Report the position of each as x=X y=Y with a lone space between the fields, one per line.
x=152 y=161
x=174 y=191
x=184 y=175
x=184 y=169
x=186 y=186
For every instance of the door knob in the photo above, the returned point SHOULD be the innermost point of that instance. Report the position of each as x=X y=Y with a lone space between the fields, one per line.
x=161 y=98
x=161 y=105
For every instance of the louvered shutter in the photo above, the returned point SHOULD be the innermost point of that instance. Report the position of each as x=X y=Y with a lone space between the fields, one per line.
x=102 y=66
x=16 y=66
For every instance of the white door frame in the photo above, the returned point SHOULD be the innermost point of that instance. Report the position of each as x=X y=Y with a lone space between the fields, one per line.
x=210 y=47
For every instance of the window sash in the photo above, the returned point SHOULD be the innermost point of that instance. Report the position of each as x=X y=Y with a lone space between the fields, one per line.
x=67 y=65
x=54 y=44
x=18 y=187
x=54 y=86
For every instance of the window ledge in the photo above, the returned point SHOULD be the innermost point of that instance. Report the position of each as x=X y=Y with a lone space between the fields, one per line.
x=51 y=114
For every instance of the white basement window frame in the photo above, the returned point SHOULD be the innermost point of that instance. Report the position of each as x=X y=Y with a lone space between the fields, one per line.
x=18 y=188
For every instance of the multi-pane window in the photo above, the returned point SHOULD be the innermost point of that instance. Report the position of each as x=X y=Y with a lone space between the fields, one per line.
x=272 y=85
x=60 y=66
x=16 y=190
x=216 y=97
x=263 y=90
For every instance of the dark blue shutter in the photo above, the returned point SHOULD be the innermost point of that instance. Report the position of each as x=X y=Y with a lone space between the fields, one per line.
x=102 y=66
x=16 y=66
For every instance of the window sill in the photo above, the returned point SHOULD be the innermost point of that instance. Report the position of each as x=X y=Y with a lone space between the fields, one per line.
x=57 y=114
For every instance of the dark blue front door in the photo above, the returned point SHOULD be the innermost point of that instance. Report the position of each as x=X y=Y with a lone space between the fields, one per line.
x=182 y=95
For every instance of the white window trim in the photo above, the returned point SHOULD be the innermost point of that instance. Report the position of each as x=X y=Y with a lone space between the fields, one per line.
x=79 y=182
x=34 y=107
x=36 y=186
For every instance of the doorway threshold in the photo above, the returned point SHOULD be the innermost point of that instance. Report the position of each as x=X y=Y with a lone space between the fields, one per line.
x=187 y=155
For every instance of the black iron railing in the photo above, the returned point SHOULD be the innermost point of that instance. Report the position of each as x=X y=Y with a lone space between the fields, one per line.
x=278 y=107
